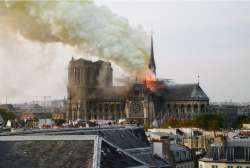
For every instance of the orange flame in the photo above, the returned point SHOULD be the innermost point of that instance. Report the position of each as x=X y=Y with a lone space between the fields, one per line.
x=148 y=77
x=149 y=80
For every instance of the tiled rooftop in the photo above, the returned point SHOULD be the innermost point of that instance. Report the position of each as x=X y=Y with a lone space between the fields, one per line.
x=93 y=147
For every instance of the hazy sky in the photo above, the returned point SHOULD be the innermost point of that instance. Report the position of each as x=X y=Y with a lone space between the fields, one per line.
x=211 y=39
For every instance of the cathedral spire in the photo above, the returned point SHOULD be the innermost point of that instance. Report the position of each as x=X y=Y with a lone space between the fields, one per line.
x=151 y=64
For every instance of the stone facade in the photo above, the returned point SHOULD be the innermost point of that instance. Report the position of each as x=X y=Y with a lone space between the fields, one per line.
x=92 y=96
x=185 y=109
x=230 y=153
x=139 y=105
x=83 y=79
x=183 y=101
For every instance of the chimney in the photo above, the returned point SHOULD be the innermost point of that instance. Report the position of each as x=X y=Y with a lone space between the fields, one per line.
x=167 y=154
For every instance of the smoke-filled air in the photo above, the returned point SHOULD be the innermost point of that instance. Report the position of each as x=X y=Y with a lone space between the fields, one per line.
x=87 y=27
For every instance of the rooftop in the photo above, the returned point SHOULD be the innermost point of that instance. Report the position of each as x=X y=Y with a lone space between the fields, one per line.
x=233 y=150
x=185 y=92
x=181 y=153
x=128 y=145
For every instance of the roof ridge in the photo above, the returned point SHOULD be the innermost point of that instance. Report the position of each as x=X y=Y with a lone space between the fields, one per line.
x=186 y=84
x=123 y=151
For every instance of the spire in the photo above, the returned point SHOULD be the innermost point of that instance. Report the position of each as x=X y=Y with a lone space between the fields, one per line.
x=151 y=64
x=198 y=78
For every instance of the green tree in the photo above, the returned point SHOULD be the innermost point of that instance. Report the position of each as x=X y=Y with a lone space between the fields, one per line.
x=22 y=123
x=185 y=123
x=146 y=125
x=35 y=119
x=170 y=122
x=59 y=122
x=242 y=120
x=7 y=115
x=208 y=122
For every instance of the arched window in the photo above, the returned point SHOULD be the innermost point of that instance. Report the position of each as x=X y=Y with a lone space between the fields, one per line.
x=74 y=74
x=106 y=111
x=189 y=108
x=203 y=108
x=169 y=110
x=196 y=108
x=100 y=108
x=182 y=109
x=95 y=111
x=118 y=109
x=112 y=110
x=169 y=107
x=176 y=108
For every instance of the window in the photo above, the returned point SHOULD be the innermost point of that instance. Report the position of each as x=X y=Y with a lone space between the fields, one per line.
x=214 y=166
x=239 y=166
x=182 y=108
x=196 y=108
x=189 y=108
x=169 y=110
x=176 y=109
x=202 y=108
x=229 y=166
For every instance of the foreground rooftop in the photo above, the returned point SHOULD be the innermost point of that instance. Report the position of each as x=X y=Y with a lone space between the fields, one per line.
x=88 y=147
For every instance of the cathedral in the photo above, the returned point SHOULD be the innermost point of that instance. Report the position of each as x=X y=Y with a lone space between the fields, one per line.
x=92 y=95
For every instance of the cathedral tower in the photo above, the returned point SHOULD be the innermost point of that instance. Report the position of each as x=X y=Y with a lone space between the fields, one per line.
x=84 y=77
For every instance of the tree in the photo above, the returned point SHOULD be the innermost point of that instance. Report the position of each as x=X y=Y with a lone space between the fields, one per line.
x=22 y=123
x=207 y=122
x=7 y=115
x=242 y=120
x=170 y=122
x=185 y=123
x=59 y=122
x=36 y=119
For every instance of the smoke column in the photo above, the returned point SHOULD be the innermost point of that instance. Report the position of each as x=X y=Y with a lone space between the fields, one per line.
x=83 y=25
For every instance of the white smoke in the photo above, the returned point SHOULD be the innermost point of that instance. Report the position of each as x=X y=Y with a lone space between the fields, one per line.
x=29 y=71
x=83 y=25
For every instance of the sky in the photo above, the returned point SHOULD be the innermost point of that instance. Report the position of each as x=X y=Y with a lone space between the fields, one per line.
x=206 y=38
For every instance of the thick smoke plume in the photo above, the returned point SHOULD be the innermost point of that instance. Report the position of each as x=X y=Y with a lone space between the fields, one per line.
x=81 y=24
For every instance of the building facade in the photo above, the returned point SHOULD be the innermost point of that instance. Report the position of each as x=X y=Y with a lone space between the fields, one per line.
x=178 y=156
x=234 y=153
x=83 y=83
x=92 y=96
x=1 y=121
x=184 y=101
